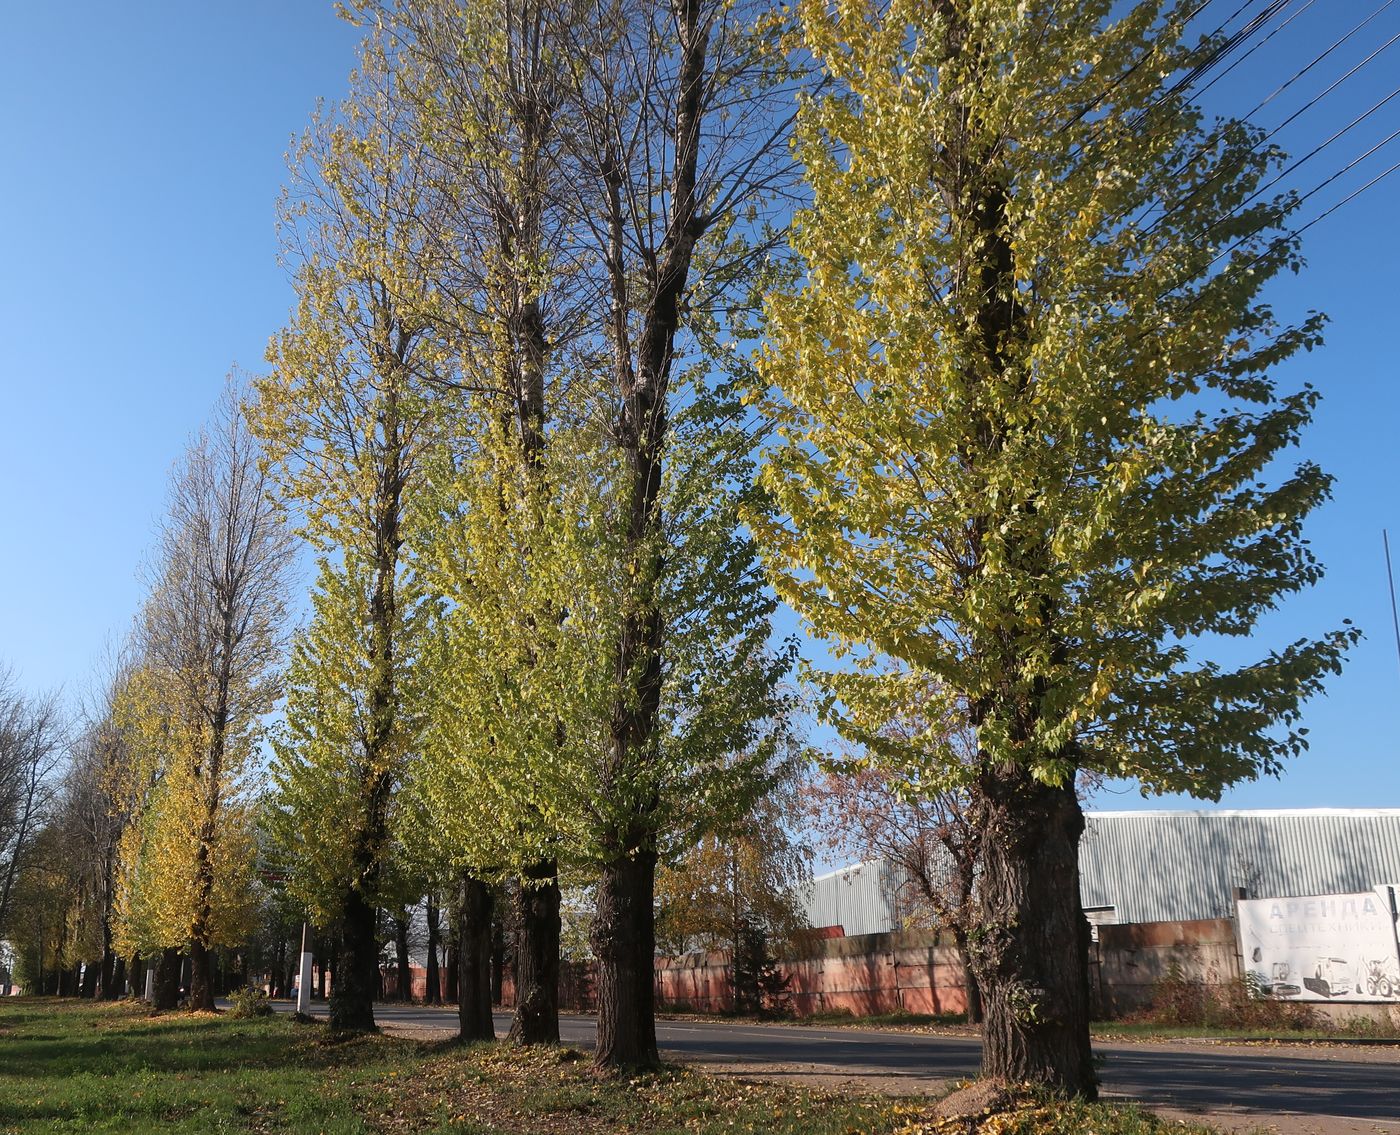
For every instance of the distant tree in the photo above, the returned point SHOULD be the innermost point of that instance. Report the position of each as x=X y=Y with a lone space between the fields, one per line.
x=31 y=748
x=211 y=641
x=1027 y=445
x=931 y=841
x=748 y=875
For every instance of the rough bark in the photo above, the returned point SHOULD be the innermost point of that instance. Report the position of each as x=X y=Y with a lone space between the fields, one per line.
x=405 y=984
x=167 y=984
x=454 y=968
x=356 y=968
x=537 y=955
x=201 y=977
x=433 y=993
x=624 y=941
x=1029 y=947
x=474 y=908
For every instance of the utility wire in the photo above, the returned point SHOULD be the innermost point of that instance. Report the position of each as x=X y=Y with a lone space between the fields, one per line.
x=1257 y=45
x=1315 y=61
x=1195 y=194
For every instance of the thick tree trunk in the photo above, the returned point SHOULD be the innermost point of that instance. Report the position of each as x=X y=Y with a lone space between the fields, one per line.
x=201 y=978
x=537 y=955
x=167 y=985
x=88 y=988
x=405 y=989
x=116 y=984
x=454 y=968
x=474 y=961
x=356 y=967
x=433 y=994
x=624 y=940
x=1030 y=949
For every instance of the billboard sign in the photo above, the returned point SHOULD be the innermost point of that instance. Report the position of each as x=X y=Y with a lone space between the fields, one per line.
x=1322 y=947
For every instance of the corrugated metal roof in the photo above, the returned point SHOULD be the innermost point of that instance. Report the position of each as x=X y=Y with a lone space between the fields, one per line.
x=1169 y=866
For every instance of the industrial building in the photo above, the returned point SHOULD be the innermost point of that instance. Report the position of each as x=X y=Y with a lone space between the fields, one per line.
x=1169 y=866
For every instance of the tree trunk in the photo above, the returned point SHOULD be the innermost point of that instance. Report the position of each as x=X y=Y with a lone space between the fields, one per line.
x=474 y=961
x=356 y=968
x=537 y=955
x=201 y=978
x=624 y=940
x=167 y=986
x=405 y=989
x=433 y=994
x=88 y=987
x=116 y=986
x=454 y=967
x=972 y=989
x=1029 y=949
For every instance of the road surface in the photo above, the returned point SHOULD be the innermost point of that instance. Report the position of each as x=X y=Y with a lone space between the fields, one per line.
x=1360 y=1085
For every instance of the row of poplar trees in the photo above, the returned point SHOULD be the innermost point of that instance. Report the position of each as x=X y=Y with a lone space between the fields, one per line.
x=620 y=320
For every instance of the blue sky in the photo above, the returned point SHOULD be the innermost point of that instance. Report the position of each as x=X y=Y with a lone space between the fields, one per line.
x=140 y=161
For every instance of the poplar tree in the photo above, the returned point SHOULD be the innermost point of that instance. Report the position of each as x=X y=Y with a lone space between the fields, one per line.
x=680 y=139
x=1029 y=447
x=345 y=417
x=211 y=639
x=485 y=85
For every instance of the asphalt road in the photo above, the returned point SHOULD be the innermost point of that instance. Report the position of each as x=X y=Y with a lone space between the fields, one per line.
x=1355 y=1083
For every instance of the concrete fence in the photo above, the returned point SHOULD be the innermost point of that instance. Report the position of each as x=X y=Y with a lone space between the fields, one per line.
x=913 y=972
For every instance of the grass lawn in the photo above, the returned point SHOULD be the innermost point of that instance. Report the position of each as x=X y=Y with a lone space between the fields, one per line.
x=80 y=1067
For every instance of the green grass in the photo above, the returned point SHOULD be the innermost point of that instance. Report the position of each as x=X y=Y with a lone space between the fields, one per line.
x=1150 y=1030
x=80 y=1067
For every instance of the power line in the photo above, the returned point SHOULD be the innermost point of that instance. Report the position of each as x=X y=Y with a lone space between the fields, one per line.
x=1260 y=43
x=1195 y=194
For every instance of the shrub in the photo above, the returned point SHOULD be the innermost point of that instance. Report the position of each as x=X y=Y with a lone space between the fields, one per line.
x=250 y=1001
x=1183 y=1002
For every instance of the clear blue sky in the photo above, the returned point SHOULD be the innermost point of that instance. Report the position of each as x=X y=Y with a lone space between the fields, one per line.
x=139 y=168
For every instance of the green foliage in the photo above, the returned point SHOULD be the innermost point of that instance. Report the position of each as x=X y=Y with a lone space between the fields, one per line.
x=248 y=1002
x=759 y=986
x=1028 y=447
x=323 y=769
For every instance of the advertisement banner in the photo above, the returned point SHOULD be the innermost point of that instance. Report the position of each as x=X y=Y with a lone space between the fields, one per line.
x=1322 y=947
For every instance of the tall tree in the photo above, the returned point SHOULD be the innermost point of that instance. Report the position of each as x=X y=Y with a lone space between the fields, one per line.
x=346 y=416
x=211 y=640
x=680 y=137
x=1032 y=282
x=485 y=84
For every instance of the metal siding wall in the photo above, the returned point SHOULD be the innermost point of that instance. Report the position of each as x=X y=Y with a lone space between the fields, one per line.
x=1168 y=866
x=859 y=899
x=1173 y=866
